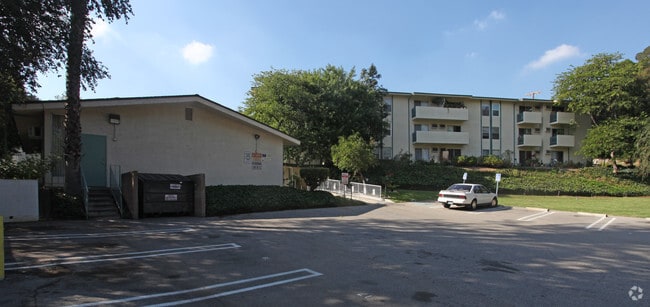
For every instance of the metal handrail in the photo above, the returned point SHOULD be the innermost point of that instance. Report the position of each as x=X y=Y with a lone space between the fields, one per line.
x=116 y=187
x=84 y=190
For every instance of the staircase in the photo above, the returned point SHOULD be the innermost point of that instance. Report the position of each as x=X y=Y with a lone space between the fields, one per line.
x=101 y=204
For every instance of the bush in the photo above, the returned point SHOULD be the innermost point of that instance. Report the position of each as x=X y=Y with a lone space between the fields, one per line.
x=491 y=161
x=466 y=161
x=313 y=176
x=65 y=206
x=236 y=199
x=29 y=167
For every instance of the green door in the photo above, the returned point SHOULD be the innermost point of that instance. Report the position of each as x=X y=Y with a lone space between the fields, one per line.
x=93 y=159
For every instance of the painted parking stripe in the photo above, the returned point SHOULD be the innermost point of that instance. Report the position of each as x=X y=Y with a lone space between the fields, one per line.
x=96 y=235
x=596 y=222
x=308 y=274
x=606 y=224
x=603 y=226
x=534 y=216
x=123 y=256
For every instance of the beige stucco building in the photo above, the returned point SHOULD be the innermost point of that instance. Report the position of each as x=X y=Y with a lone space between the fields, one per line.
x=438 y=127
x=166 y=135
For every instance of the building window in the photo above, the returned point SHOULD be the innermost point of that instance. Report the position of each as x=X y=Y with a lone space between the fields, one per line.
x=495 y=133
x=388 y=105
x=421 y=154
x=485 y=131
x=419 y=127
x=453 y=129
x=188 y=113
x=496 y=108
x=496 y=152
x=485 y=152
x=485 y=109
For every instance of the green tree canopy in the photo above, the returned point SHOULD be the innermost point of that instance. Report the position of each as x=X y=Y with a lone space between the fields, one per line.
x=353 y=154
x=604 y=87
x=317 y=107
x=614 y=93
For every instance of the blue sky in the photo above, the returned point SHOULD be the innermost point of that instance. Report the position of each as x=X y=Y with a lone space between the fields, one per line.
x=481 y=48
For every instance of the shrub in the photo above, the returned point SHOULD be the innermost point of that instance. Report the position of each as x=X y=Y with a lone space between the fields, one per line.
x=491 y=161
x=236 y=199
x=65 y=206
x=29 y=167
x=313 y=176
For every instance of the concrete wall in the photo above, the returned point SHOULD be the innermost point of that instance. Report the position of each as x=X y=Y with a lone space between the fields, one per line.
x=19 y=200
x=159 y=139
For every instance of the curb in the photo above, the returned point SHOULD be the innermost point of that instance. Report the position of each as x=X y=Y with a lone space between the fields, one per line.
x=537 y=209
x=593 y=214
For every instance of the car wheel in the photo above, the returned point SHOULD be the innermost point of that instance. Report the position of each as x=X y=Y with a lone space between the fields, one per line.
x=446 y=205
x=495 y=202
x=473 y=205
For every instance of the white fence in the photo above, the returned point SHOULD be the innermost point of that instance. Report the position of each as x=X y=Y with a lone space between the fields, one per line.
x=335 y=186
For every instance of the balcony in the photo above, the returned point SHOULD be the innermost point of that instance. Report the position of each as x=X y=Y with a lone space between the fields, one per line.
x=440 y=137
x=562 y=141
x=440 y=113
x=529 y=140
x=529 y=118
x=562 y=118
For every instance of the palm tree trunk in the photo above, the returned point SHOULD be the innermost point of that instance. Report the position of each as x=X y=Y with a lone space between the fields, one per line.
x=72 y=122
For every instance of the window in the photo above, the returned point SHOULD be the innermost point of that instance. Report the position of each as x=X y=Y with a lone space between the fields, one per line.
x=188 y=113
x=434 y=126
x=454 y=153
x=419 y=127
x=495 y=133
x=453 y=129
x=388 y=105
x=485 y=109
x=389 y=129
x=422 y=154
x=496 y=108
x=485 y=152
x=485 y=131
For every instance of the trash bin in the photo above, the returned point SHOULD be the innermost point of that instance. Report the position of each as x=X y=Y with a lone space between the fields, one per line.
x=165 y=194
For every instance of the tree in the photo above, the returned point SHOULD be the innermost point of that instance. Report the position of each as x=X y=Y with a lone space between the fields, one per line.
x=32 y=40
x=643 y=150
x=353 y=154
x=80 y=26
x=317 y=107
x=612 y=92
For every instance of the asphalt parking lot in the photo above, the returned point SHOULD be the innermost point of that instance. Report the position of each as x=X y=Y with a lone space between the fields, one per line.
x=376 y=255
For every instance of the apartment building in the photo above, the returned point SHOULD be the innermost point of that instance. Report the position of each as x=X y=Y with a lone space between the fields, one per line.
x=439 y=127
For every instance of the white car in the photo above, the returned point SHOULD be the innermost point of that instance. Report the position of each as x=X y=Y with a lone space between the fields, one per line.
x=468 y=195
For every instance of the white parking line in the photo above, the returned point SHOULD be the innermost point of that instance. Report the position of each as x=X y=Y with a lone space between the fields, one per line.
x=113 y=257
x=606 y=224
x=96 y=235
x=534 y=216
x=600 y=220
x=309 y=273
x=596 y=222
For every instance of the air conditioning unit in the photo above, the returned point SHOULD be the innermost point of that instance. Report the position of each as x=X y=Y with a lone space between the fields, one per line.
x=35 y=132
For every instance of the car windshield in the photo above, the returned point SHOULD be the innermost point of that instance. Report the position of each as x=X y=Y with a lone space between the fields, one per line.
x=460 y=187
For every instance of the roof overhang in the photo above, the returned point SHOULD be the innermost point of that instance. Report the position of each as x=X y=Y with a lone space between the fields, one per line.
x=39 y=106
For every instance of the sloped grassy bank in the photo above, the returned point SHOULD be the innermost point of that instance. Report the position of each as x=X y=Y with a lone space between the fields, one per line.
x=588 y=181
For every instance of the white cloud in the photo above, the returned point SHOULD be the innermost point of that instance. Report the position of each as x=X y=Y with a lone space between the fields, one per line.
x=494 y=16
x=555 y=55
x=197 y=52
x=100 y=29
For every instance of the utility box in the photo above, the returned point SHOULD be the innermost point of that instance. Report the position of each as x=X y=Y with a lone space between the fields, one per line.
x=165 y=194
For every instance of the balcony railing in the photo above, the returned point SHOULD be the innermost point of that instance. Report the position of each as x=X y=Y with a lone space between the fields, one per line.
x=562 y=141
x=529 y=118
x=562 y=118
x=529 y=140
x=440 y=137
x=440 y=113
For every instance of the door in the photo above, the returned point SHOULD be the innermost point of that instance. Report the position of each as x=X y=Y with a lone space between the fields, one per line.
x=93 y=159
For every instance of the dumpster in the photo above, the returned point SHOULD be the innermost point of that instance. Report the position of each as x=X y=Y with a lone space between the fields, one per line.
x=165 y=194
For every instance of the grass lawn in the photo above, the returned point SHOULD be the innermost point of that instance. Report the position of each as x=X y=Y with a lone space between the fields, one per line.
x=619 y=206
